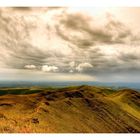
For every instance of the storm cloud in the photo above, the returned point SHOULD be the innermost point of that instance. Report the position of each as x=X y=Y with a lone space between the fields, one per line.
x=83 y=31
x=58 y=40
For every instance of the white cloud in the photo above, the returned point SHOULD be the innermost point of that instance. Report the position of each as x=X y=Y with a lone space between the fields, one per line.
x=72 y=64
x=71 y=71
x=47 y=68
x=83 y=66
x=30 y=66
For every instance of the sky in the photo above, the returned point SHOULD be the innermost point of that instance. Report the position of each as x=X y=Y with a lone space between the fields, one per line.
x=70 y=44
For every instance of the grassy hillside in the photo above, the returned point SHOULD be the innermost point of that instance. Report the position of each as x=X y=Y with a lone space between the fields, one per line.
x=81 y=109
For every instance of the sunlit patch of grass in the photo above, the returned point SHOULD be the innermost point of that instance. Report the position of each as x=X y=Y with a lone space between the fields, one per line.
x=122 y=100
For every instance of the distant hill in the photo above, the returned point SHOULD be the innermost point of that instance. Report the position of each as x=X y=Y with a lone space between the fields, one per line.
x=114 y=85
x=75 y=109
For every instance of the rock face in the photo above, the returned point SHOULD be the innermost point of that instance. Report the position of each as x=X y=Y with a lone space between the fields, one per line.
x=82 y=109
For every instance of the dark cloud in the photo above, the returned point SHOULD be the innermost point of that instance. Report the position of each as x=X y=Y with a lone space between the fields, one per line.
x=35 y=9
x=24 y=8
x=129 y=57
x=61 y=38
x=82 y=30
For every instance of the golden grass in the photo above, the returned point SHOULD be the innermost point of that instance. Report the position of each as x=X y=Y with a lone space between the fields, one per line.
x=83 y=109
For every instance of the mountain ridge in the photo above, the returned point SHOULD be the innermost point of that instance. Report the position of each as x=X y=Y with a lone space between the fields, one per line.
x=75 y=109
